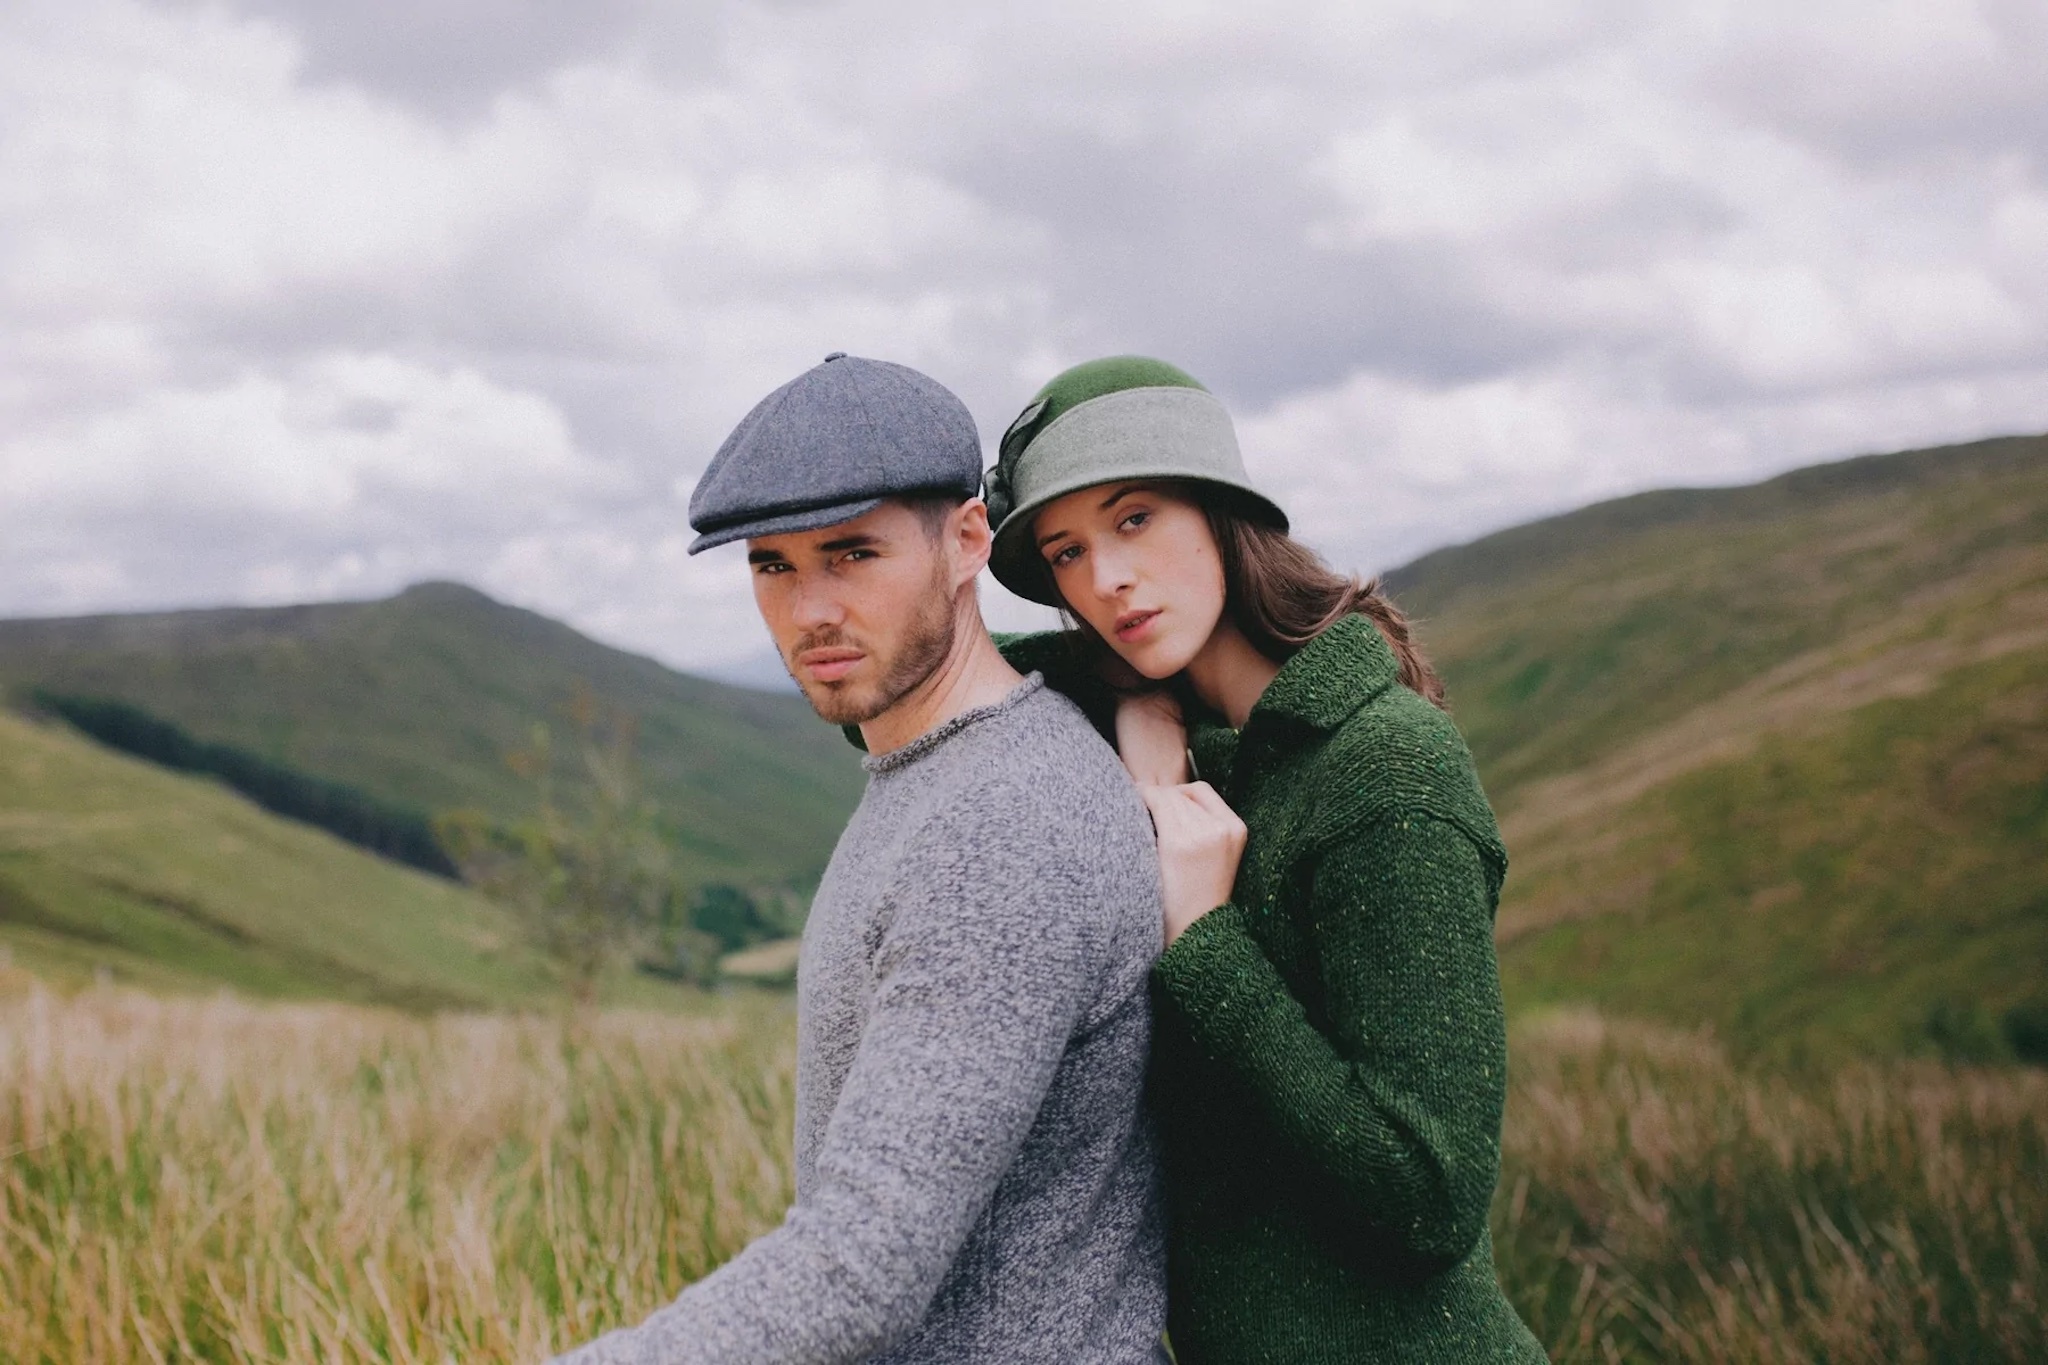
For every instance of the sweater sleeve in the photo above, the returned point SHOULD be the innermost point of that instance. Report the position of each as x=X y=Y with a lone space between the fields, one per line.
x=1399 y=1102
x=976 y=996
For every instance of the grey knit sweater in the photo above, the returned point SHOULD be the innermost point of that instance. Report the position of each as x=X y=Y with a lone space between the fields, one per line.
x=976 y=1179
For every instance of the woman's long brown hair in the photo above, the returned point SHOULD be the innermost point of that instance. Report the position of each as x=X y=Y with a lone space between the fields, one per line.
x=1281 y=595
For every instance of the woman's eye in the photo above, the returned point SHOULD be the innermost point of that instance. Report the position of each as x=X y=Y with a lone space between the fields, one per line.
x=1064 y=555
x=1134 y=521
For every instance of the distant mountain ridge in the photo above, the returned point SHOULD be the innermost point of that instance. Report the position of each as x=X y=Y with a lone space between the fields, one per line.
x=1433 y=580
x=419 y=698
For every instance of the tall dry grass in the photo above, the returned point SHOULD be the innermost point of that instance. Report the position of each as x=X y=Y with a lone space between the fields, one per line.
x=215 y=1180
x=1658 y=1204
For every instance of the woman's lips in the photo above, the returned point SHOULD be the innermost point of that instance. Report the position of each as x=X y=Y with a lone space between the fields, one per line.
x=830 y=665
x=1134 y=624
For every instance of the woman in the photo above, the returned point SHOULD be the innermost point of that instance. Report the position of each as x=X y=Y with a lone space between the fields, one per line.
x=1329 y=1054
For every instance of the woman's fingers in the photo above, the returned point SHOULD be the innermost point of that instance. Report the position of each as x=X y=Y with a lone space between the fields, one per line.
x=1211 y=801
x=1201 y=841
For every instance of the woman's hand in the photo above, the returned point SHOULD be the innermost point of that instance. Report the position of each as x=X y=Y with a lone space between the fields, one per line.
x=1151 y=738
x=1201 y=841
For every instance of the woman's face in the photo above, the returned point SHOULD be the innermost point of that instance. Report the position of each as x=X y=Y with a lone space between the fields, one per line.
x=1140 y=566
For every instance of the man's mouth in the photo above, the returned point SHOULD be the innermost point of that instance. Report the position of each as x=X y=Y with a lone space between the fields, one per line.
x=1132 y=624
x=829 y=665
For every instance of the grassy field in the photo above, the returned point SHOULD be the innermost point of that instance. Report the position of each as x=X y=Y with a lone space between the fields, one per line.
x=418 y=700
x=1771 y=758
x=224 y=1181
x=112 y=867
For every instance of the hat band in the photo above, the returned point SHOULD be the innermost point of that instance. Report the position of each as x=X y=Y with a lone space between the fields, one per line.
x=1169 y=432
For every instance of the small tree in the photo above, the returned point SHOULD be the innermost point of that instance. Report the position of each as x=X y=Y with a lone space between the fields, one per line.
x=587 y=875
x=728 y=914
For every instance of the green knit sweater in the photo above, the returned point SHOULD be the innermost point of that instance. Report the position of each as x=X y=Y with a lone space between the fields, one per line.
x=1329 y=1056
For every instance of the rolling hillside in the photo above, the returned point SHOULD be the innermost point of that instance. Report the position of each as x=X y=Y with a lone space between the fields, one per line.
x=418 y=699
x=107 y=863
x=1772 y=757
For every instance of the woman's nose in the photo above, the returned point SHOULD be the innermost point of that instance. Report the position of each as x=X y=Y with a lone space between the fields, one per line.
x=1112 y=575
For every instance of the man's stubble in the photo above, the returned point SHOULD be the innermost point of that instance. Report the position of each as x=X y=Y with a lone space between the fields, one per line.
x=924 y=646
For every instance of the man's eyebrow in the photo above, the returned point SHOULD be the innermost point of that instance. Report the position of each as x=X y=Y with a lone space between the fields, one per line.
x=853 y=542
x=765 y=557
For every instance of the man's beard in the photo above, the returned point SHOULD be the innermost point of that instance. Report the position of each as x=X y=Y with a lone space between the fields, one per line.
x=926 y=643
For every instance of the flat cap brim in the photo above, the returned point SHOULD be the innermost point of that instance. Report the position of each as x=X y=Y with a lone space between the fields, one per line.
x=783 y=523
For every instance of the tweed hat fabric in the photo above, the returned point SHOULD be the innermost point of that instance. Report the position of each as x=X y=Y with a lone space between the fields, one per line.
x=1123 y=418
x=831 y=445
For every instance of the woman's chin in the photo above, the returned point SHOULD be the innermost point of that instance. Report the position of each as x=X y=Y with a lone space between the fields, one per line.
x=1155 y=661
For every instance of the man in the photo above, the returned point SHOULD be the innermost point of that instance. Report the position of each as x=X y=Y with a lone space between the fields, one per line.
x=975 y=1177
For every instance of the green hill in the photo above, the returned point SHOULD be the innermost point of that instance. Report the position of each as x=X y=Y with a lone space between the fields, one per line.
x=108 y=863
x=417 y=700
x=1772 y=757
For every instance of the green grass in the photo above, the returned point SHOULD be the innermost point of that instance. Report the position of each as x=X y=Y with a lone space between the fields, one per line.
x=1569 y=638
x=110 y=865
x=1836 y=888
x=1772 y=759
x=418 y=700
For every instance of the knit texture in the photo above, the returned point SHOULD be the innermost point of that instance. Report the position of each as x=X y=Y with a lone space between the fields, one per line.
x=1330 y=1048
x=976 y=1177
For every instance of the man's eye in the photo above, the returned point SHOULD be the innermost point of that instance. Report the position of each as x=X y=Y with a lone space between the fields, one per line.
x=771 y=568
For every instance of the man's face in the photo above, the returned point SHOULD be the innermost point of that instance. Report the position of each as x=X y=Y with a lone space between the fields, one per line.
x=861 y=612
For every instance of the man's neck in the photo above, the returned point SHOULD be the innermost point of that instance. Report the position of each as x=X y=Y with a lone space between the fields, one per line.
x=974 y=673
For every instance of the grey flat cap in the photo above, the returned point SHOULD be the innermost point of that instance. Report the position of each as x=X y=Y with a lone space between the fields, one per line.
x=829 y=446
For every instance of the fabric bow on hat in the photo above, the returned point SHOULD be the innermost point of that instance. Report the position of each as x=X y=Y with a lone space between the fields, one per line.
x=996 y=493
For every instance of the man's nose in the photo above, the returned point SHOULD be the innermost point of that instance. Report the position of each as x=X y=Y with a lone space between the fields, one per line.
x=814 y=604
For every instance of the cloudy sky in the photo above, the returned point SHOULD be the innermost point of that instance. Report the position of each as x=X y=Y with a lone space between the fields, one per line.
x=302 y=299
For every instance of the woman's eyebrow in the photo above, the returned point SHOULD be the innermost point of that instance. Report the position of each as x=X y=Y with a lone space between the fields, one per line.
x=1112 y=500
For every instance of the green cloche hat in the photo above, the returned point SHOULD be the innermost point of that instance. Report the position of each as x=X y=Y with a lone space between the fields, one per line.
x=1122 y=418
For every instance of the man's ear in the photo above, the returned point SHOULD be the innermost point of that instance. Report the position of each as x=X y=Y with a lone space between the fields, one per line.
x=972 y=540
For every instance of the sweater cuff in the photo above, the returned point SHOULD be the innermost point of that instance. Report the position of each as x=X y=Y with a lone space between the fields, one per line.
x=1220 y=980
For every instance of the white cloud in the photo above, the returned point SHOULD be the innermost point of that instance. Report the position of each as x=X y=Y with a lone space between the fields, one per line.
x=307 y=300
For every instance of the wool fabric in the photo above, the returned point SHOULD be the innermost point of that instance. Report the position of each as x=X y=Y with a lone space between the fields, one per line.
x=831 y=445
x=976 y=1178
x=1122 y=419
x=1329 y=1056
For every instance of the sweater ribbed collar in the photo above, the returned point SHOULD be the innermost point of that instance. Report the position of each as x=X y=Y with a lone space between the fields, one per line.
x=1331 y=676
x=898 y=759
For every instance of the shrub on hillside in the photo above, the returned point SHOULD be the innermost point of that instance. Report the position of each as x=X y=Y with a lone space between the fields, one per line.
x=729 y=915
x=2026 y=1031
x=1962 y=1032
